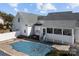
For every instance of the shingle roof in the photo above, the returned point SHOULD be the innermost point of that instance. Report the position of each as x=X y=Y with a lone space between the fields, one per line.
x=68 y=15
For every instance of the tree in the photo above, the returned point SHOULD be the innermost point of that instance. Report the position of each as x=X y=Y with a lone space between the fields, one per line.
x=7 y=19
x=1 y=26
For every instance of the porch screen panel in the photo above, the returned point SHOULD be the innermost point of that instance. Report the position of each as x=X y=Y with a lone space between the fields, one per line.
x=57 y=31
x=67 y=32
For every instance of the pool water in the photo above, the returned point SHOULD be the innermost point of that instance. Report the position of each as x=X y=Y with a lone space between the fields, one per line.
x=31 y=48
x=3 y=54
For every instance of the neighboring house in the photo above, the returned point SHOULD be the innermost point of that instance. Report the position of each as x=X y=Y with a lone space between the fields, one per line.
x=1 y=21
x=23 y=23
x=62 y=27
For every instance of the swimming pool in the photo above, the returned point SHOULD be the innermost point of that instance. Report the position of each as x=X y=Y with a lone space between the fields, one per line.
x=31 y=48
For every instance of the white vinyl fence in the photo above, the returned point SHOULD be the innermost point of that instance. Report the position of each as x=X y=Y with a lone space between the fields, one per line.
x=10 y=35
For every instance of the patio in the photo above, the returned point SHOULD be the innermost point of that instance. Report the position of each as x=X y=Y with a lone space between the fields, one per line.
x=5 y=47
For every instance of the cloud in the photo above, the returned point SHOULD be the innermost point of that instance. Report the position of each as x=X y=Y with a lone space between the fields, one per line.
x=45 y=6
x=26 y=10
x=13 y=4
x=74 y=5
x=31 y=4
x=39 y=6
x=42 y=11
x=68 y=7
x=16 y=9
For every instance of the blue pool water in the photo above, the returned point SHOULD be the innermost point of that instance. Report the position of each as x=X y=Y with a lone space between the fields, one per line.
x=31 y=48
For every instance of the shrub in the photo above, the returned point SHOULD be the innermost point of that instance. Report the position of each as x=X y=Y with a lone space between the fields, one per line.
x=34 y=37
x=22 y=36
x=1 y=26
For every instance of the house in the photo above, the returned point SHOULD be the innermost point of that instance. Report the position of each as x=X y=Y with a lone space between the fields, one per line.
x=23 y=22
x=60 y=27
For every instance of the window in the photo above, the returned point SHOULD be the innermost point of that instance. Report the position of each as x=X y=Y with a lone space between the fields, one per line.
x=24 y=31
x=18 y=19
x=17 y=29
x=49 y=30
x=43 y=31
x=57 y=31
x=67 y=32
x=25 y=24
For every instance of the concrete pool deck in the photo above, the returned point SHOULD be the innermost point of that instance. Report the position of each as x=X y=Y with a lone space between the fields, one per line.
x=6 y=48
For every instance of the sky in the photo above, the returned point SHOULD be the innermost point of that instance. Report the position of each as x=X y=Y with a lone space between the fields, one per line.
x=38 y=8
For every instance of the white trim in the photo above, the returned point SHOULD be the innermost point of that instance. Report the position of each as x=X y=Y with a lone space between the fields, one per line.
x=73 y=36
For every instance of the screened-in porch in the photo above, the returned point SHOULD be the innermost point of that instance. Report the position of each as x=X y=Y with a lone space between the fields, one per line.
x=61 y=35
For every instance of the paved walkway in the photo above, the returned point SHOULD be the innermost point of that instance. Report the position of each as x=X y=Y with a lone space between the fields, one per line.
x=61 y=47
x=75 y=49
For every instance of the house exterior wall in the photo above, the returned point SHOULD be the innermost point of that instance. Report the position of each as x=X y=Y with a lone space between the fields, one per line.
x=15 y=25
x=38 y=30
x=64 y=39
x=29 y=19
x=61 y=24
x=76 y=34
x=26 y=21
